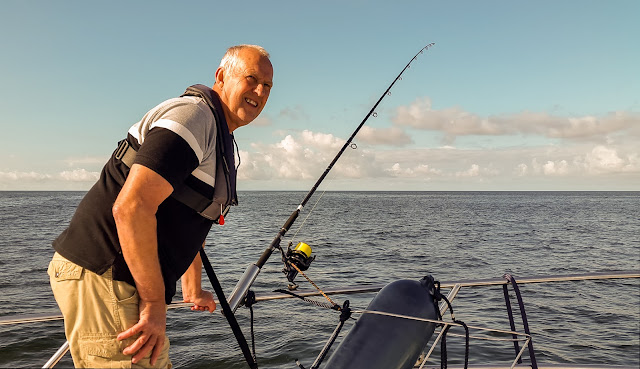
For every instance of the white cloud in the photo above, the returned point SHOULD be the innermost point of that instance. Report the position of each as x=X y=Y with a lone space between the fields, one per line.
x=300 y=158
x=582 y=161
x=262 y=121
x=78 y=175
x=294 y=113
x=321 y=140
x=555 y=168
x=78 y=179
x=15 y=176
x=86 y=161
x=305 y=155
x=393 y=136
x=474 y=171
x=521 y=170
x=604 y=159
x=454 y=122
x=419 y=170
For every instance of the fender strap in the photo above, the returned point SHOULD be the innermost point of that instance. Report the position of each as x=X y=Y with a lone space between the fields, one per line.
x=226 y=310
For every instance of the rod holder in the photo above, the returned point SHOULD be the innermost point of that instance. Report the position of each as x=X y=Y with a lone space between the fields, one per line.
x=242 y=287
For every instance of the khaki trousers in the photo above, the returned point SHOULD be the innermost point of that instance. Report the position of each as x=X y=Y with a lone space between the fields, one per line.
x=96 y=309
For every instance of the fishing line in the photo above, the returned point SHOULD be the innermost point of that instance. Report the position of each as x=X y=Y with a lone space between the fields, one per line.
x=353 y=146
x=335 y=174
x=293 y=285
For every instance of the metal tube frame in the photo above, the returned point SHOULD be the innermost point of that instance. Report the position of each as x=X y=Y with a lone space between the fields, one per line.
x=22 y=319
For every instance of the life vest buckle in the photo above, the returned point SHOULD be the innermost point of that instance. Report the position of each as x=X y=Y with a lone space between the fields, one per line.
x=123 y=147
x=125 y=153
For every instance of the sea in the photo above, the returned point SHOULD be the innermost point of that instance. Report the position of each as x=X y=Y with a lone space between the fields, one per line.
x=364 y=238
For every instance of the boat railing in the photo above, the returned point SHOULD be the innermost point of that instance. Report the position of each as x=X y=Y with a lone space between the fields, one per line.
x=454 y=288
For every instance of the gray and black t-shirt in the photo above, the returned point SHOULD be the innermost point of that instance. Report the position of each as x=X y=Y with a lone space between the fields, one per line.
x=176 y=139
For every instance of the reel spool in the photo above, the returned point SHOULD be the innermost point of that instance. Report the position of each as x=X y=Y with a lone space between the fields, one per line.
x=300 y=256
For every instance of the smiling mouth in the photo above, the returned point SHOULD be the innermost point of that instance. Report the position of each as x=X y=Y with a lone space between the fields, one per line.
x=251 y=102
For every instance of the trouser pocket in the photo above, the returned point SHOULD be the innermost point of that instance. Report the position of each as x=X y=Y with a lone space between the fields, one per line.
x=98 y=351
x=126 y=304
x=61 y=269
x=64 y=277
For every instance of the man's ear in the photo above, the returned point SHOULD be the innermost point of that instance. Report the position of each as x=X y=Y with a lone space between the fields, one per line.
x=220 y=76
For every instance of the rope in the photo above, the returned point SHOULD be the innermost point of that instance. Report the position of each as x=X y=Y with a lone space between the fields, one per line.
x=227 y=312
x=345 y=314
x=310 y=301
x=438 y=322
x=334 y=305
x=434 y=289
x=250 y=300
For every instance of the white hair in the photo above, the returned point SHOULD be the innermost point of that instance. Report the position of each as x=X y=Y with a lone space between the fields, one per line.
x=230 y=58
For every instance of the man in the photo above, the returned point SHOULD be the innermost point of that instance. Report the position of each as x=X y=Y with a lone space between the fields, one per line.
x=132 y=236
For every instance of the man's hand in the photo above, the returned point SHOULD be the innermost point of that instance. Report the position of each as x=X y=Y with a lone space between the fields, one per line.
x=151 y=327
x=203 y=302
x=192 y=287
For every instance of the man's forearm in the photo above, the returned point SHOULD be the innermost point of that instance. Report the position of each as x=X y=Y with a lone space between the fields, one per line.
x=138 y=239
x=192 y=279
x=134 y=212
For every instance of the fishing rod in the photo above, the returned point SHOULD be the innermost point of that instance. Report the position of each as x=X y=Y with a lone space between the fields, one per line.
x=301 y=256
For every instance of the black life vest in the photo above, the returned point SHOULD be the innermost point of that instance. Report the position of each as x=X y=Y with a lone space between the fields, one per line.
x=224 y=193
x=224 y=190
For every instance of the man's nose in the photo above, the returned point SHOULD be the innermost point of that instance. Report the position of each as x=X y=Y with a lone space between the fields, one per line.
x=260 y=89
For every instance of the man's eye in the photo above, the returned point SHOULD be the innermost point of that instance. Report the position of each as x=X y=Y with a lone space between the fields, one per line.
x=252 y=79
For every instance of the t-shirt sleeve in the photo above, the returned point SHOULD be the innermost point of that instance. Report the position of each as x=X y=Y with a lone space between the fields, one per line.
x=193 y=122
x=167 y=154
x=180 y=138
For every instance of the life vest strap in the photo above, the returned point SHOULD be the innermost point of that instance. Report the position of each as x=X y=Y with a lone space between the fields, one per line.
x=125 y=153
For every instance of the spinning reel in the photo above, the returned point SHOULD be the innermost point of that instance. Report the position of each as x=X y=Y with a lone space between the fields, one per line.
x=300 y=256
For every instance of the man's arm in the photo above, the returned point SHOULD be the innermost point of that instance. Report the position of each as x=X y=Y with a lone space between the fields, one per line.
x=192 y=287
x=135 y=214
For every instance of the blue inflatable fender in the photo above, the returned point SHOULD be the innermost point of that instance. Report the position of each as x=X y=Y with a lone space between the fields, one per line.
x=385 y=342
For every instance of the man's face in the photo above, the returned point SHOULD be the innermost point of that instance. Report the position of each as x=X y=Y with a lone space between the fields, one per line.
x=245 y=89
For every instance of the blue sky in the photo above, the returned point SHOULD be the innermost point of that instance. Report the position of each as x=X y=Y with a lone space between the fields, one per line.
x=514 y=95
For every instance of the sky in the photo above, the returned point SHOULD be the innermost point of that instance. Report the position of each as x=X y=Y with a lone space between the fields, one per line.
x=514 y=95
